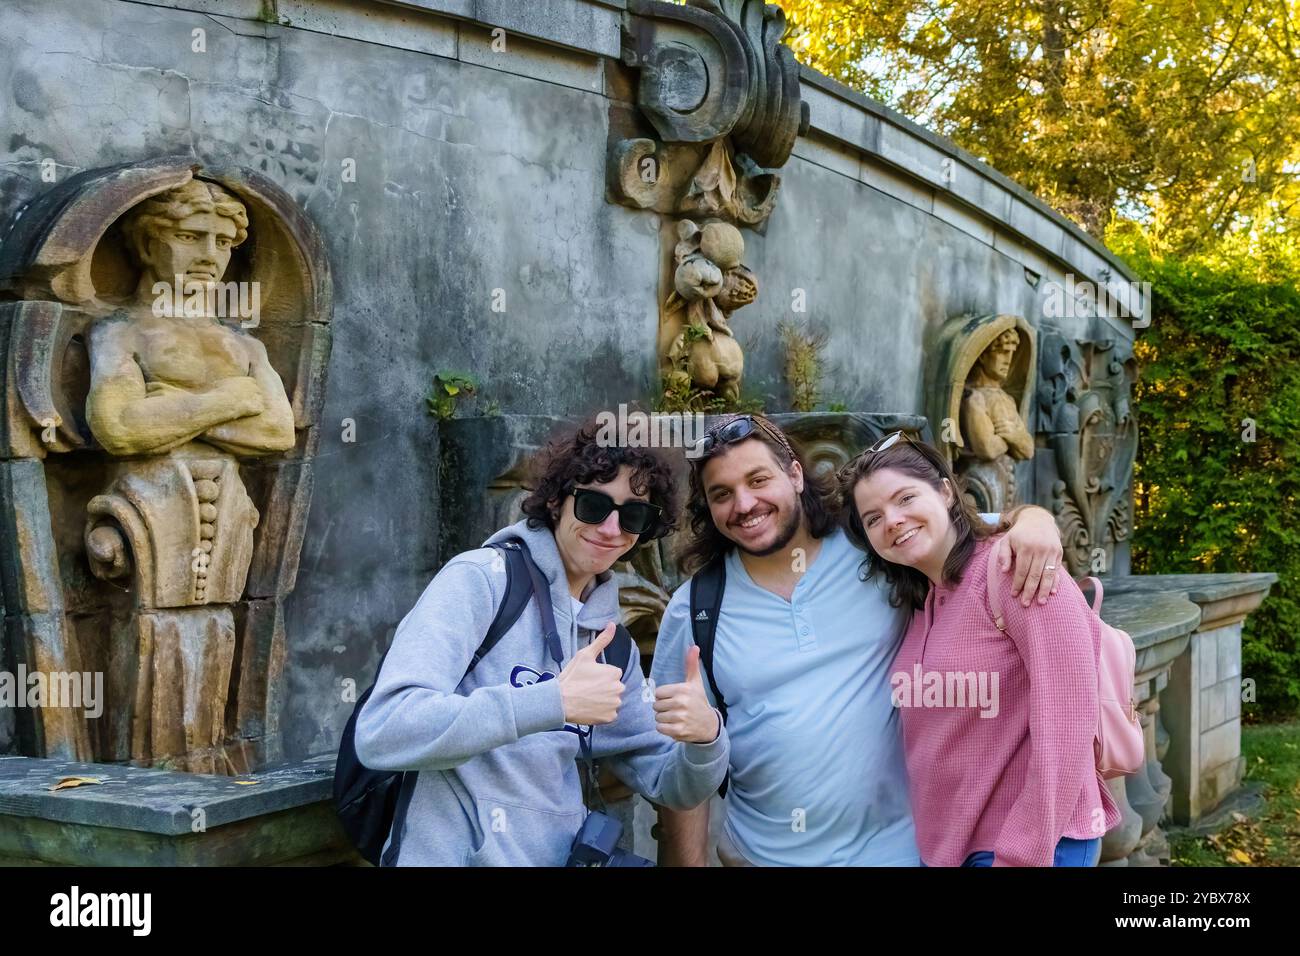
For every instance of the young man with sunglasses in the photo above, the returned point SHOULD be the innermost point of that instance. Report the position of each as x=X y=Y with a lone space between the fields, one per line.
x=800 y=658
x=495 y=743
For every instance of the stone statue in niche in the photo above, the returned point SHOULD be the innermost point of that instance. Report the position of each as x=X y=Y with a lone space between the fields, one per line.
x=176 y=397
x=156 y=455
x=991 y=423
x=696 y=344
x=984 y=395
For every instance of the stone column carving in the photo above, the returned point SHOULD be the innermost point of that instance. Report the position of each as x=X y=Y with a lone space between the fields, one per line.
x=148 y=378
x=1083 y=398
x=720 y=94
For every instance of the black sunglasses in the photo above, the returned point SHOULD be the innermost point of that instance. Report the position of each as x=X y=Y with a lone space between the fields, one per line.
x=634 y=517
x=733 y=431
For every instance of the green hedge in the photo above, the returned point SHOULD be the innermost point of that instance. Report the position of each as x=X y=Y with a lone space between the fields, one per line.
x=1223 y=351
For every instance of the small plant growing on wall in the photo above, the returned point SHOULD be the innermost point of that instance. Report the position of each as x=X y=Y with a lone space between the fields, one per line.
x=803 y=364
x=679 y=395
x=449 y=390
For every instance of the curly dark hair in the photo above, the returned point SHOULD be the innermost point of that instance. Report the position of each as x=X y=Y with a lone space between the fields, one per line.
x=908 y=587
x=576 y=457
x=705 y=543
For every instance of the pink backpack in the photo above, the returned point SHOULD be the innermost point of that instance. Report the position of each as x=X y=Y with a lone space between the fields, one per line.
x=1119 y=745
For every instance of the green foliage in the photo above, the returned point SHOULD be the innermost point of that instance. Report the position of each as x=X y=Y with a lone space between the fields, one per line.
x=803 y=364
x=695 y=333
x=678 y=395
x=1180 y=114
x=449 y=390
x=1220 y=365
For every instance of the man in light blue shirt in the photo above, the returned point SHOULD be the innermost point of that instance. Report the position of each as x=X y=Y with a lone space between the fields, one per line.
x=801 y=657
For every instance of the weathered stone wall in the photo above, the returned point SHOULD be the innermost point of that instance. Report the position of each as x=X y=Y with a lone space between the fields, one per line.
x=480 y=181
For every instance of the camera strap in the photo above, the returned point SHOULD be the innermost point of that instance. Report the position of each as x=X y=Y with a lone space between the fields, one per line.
x=542 y=591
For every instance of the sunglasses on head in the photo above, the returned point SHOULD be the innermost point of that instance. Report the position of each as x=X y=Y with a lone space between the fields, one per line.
x=736 y=430
x=593 y=507
x=882 y=444
x=889 y=441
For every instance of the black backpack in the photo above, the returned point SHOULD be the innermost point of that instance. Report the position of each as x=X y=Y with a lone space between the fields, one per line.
x=707 y=586
x=373 y=803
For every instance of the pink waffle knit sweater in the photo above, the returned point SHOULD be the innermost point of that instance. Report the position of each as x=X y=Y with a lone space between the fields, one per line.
x=1022 y=776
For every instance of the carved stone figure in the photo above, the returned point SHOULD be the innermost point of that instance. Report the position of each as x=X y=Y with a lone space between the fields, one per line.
x=155 y=455
x=984 y=393
x=992 y=427
x=722 y=94
x=696 y=345
x=177 y=397
x=1083 y=396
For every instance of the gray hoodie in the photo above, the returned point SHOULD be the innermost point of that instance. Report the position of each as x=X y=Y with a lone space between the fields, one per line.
x=498 y=783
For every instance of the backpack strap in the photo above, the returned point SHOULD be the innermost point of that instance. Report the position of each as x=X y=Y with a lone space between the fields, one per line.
x=541 y=590
x=1096 y=593
x=619 y=652
x=707 y=586
x=995 y=602
x=519 y=588
x=405 y=790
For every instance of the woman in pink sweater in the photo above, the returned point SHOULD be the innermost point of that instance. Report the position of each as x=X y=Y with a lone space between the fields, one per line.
x=998 y=726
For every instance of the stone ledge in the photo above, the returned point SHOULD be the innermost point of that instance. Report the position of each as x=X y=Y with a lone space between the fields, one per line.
x=1150 y=619
x=1224 y=599
x=157 y=801
x=1200 y=588
x=144 y=817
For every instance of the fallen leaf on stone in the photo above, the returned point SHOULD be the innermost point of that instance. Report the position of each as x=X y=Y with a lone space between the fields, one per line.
x=247 y=783
x=1241 y=856
x=66 y=782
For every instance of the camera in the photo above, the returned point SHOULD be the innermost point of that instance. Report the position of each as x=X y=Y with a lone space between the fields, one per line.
x=597 y=844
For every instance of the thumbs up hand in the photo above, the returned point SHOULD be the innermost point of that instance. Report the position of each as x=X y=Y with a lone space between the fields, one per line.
x=682 y=711
x=591 y=691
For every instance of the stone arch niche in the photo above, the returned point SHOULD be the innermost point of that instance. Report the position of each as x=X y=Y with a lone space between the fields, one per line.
x=156 y=459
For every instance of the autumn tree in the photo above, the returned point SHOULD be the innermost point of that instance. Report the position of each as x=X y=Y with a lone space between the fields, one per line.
x=1183 y=115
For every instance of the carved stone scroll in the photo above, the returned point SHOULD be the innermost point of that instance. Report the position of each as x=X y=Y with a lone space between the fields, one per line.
x=1083 y=398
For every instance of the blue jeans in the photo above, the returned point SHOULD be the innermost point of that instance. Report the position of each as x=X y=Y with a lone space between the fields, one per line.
x=1069 y=852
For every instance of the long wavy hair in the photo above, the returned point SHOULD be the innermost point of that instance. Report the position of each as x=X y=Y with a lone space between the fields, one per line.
x=705 y=543
x=576 y=457
x=908 y=587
